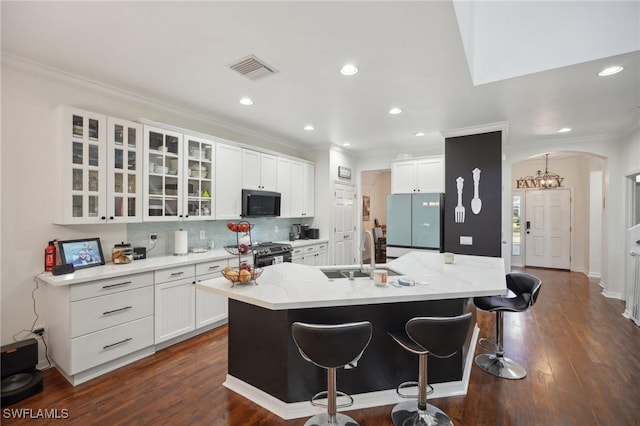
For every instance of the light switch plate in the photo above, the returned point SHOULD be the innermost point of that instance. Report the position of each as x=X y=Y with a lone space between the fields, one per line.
x=466 y=241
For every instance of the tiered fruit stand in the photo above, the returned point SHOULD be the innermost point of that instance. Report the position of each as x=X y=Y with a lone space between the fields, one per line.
x=245 y=273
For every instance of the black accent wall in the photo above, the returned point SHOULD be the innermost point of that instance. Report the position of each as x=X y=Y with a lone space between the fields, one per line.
x=462 y=155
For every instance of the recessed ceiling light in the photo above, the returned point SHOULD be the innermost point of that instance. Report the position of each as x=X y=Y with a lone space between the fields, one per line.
x=349 y=69
x=246 y=101
x=610 y=71
x=420 y=134
x=308 y=127
x=346 y=144
x=564 y=130
x=394 y=111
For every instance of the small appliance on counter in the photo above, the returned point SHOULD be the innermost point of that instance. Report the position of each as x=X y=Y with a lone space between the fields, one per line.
x=122 y=253
x=313 y=233
x=304 y=230
x=296 y=232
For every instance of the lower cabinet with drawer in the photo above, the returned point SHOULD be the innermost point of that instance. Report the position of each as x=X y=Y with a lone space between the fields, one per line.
x=314 y=254
x=180 y=309
x=100 y=325
x=210 y=308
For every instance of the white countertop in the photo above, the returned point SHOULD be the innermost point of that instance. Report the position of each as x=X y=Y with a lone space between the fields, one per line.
x=111 y=270
x=295 y=286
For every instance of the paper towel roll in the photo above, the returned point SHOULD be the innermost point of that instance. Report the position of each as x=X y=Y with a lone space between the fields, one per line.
x=181 y=243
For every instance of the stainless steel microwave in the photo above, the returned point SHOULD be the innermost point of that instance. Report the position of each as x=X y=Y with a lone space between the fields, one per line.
x=260 y=203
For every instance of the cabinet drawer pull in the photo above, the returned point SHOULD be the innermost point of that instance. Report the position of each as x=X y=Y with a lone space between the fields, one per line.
x=117 y=343
x=116 y=310
x=175 y=274
x=214 y=267
x=116 y=285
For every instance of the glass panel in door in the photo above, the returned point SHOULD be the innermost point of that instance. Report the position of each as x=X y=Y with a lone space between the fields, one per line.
x=131 y=210
x=399 y=220
x=118 y=134
x=77 y=204
x=131 y=140
x=93 y=205
x=118 y=207
x=78 y=126
x=425 y=221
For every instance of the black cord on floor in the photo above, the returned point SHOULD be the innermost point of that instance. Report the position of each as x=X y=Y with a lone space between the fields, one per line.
x=35 y=321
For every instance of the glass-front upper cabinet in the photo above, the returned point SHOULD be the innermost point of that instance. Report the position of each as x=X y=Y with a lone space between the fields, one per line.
x=83 y=164
x=124 y=174
x=198 y=178
x=163 y=184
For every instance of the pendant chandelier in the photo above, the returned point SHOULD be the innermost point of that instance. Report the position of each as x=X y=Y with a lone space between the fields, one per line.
x=542 y=180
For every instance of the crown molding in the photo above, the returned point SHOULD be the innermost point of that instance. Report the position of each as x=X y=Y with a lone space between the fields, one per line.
x=26 y=65
x=502 y=126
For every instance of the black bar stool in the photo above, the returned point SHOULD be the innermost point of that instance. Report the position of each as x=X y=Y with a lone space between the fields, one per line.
x=331 y=347
x=525 y=289
x=438 y=336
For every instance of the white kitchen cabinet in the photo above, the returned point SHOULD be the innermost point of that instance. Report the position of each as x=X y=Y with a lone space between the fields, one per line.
x=175 y=306
x=302 y=189
x=210 y=307
x=179 y=175
x=258 y=170
x=100 y=168
x=311 y=254
x=163 y=177
x=417 y=175
x=124 y=173
x=228 y=181
x=100 y=325
x=198 y=178
x=283 y=185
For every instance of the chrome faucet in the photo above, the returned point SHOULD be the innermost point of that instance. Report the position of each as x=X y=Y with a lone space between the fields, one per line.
x=372 y=249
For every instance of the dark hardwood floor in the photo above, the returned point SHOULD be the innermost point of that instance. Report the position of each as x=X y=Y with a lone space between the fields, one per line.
x=582 y=356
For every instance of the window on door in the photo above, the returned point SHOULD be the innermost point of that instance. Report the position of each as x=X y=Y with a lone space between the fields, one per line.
x=515 y=226
x=636 y=201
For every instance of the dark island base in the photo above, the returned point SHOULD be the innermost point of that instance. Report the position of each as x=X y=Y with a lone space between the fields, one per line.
x=263 y=354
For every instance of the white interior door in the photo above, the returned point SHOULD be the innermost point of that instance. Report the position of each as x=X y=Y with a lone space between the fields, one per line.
x=344 y=225
x=548 y=228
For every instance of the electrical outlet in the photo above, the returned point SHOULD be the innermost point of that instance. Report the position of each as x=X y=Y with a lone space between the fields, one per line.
x=39 y=329
x=203 y=235
x=153 y=238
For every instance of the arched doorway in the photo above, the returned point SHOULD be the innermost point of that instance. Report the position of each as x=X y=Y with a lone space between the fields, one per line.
x=582 y=182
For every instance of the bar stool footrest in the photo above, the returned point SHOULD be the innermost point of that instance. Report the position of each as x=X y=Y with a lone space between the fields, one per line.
x=411 y=384
x=489 y=345
x=323 y=394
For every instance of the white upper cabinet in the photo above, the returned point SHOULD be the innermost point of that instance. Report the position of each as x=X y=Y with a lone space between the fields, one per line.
x=100 y=169
x=283 y=185
x=302 y=189
x=198 y=178
x=228 y=181
x=258 y=170
x=424 y=175
x=124 y=173
x=163 y=179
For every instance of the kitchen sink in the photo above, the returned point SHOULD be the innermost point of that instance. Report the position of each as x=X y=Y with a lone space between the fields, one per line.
x=357 y=273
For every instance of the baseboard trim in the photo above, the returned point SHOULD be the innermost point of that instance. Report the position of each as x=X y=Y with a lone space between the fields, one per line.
x=294 y=410
x=612 y=294
x=628 y=315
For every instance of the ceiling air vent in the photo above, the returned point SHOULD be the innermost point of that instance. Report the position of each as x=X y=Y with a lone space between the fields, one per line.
x=252 y=68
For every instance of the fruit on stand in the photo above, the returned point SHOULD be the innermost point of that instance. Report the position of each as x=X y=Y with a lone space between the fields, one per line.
x=244 y=275
x=245 y=272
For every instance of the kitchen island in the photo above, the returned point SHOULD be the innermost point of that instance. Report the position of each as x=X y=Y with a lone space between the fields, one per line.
x=265 y=366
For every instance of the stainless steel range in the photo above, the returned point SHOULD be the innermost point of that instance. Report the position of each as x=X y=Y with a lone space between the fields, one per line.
x=265 y=254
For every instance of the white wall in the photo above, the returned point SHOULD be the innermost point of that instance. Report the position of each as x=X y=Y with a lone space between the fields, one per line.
x=29 y=97
x=595 y=224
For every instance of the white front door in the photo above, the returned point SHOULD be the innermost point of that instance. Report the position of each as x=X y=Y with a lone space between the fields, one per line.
x=344 y=225
x=548 y=228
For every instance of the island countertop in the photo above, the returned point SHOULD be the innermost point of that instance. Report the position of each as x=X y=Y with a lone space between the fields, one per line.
x=296 y=286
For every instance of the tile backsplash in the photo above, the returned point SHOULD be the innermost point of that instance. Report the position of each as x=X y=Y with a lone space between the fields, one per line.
x=264 y=229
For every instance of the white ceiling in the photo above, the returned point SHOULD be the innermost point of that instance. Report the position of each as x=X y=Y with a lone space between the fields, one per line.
x=410 y=55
